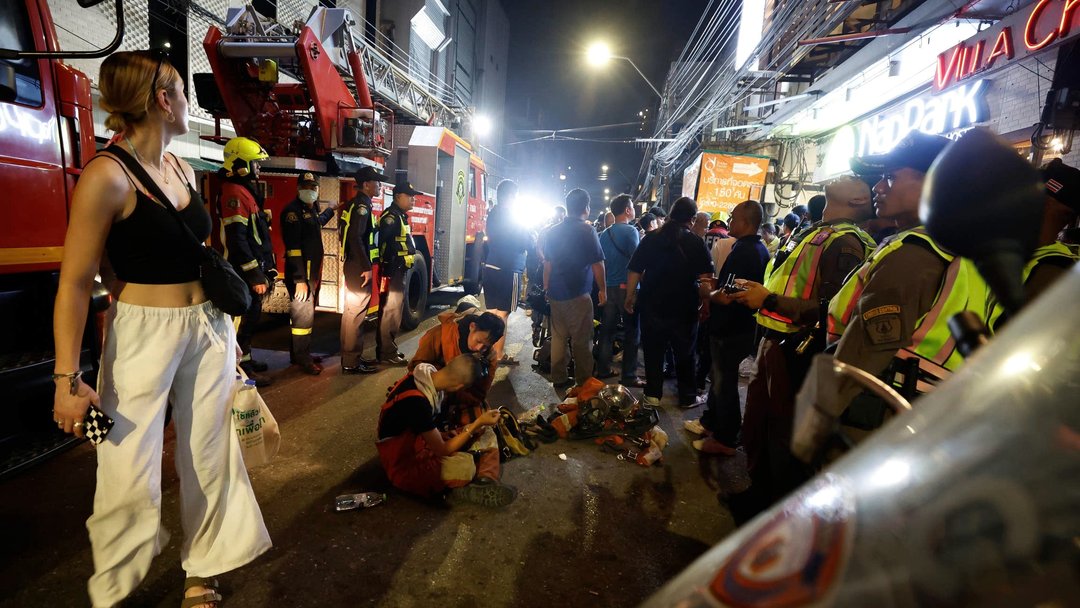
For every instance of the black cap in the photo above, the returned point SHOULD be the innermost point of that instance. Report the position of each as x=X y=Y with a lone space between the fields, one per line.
x=916 y=151
x=657 y=211
x=405 y=188
x=368 y=173
x=307 y=179
x=1062 y=183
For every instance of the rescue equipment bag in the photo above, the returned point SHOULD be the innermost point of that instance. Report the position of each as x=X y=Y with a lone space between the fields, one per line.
x=220 y=281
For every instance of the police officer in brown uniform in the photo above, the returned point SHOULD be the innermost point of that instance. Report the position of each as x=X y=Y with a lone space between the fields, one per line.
x=396 y=254
x=359 y=252
x=301 y=231
x=813 y=268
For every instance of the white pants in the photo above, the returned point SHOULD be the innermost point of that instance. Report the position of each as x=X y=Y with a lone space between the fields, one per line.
x=187 y=357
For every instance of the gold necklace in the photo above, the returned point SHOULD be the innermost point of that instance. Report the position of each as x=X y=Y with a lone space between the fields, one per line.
x=164 y=174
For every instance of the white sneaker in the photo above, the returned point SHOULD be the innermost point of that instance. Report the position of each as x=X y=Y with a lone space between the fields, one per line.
x=694 y=426
x=651 y=401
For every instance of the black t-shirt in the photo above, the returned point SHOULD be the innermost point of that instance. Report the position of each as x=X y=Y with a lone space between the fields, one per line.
x=670 y=269
x=747 y=260
x=507 y=241
x=408 y=414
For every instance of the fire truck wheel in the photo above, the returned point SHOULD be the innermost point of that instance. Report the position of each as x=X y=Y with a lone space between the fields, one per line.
x=416 y=294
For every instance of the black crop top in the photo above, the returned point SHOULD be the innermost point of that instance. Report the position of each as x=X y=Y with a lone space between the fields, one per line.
x=149 y=247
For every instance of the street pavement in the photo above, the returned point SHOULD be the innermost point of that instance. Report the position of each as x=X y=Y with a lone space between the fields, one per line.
x=588 y=530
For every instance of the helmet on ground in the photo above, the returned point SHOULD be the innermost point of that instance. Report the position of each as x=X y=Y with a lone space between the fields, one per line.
x=239 y=153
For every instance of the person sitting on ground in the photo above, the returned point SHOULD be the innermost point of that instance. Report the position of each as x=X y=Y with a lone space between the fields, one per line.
x=438 y=463
x=470 y=332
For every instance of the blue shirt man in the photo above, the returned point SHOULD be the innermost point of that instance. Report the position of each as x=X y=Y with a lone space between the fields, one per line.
x=572 y=259
x=619 y=243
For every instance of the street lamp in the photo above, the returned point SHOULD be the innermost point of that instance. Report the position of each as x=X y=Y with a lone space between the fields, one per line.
x=599 y=54
x=603 y=168
x=481 y=125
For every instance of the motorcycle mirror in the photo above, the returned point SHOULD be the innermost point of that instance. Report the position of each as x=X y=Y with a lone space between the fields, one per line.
x=981 y=200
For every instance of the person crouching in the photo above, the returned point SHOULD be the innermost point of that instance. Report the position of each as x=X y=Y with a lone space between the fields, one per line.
x=416 y=456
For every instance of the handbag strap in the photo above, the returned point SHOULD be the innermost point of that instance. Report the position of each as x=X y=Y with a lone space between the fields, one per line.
x=156 y=194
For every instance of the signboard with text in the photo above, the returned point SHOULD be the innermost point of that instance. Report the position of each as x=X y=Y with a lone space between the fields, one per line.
x=690 y=178
x=1031 y=30
x=725 y=180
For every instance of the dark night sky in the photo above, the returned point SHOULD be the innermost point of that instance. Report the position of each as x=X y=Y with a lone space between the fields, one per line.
x=550 y=86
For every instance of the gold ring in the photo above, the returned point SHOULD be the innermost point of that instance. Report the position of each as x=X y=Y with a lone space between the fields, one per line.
x=78 y=424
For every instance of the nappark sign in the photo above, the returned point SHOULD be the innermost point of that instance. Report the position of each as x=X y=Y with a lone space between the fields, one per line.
x=1033 y=29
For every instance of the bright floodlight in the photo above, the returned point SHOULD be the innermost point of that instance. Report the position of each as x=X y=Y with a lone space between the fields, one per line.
x=481 y=125
x=604 y=168
x=598 y=54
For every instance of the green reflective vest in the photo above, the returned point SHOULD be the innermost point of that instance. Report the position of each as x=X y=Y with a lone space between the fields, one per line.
x=962 y=288
x=372 y=243
x=798 y=272
x=1053 y=250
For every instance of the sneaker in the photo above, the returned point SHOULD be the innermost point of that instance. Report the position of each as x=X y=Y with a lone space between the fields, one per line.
x=395 y=359
x=694 y=426
x=697 y=400
x=709 y=445
x=486 y=493
x=651 y=401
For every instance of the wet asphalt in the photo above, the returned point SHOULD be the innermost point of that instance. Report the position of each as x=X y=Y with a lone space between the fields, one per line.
x=588 y=530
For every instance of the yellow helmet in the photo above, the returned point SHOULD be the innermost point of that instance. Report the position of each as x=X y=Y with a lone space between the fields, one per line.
x=239 y=153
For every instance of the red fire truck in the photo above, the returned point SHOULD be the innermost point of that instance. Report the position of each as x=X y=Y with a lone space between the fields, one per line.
x=304 y=96
x=325 y=121
x=46 y=136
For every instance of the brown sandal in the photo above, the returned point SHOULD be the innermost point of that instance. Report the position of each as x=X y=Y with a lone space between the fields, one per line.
x=210 y=597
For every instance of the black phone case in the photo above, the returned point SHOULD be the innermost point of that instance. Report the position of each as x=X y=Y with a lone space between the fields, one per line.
x=97 y=425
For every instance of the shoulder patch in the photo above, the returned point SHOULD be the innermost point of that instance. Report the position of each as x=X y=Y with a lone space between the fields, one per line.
x=890 y=309
x=233 y=203
x=822 y=236
x=291 y=217
x=388 y=218
x=883 y=329
x=362 y=210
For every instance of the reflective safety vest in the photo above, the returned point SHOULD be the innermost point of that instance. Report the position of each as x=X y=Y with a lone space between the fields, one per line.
x=372 y=242
x=402 y=244
x=1053 y=250
x=796 y=275
x=962 y=288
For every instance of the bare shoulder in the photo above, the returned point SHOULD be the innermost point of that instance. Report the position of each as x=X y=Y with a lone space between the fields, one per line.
x=106 y=182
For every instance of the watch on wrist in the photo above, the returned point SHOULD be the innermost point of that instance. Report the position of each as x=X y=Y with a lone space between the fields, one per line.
x=770 y=302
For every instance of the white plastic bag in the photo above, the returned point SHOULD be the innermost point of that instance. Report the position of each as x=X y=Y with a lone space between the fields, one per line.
x=255 y=426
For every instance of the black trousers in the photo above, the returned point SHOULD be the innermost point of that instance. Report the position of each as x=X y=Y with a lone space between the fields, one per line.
x=301 y=320
x=657 y=333
x=723 y=416
x=248 y=322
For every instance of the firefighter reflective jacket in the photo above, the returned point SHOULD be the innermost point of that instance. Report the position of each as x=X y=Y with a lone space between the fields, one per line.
x=962 y=288
x=797 y=273
x=301 y=231
x=358 y=232
x=246 y=233
x=1054 y=253
x=396 y=246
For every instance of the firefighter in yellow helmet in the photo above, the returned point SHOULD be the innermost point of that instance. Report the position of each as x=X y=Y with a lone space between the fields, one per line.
x=245 y=230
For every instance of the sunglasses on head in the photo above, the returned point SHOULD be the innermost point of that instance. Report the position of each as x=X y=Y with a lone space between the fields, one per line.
x=160 y=55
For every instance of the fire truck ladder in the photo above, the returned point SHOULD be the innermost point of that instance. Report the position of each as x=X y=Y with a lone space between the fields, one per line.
x=374 y=75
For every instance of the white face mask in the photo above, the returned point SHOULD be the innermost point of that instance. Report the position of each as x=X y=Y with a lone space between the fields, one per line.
x=309 y=196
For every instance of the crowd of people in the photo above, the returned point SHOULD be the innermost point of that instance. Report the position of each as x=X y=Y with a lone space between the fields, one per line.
x=853 y=273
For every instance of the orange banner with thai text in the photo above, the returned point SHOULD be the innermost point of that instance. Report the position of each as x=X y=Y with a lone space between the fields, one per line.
x=725 y=180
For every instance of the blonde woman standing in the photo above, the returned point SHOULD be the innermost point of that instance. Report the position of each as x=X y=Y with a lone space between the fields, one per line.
x=165 y=343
